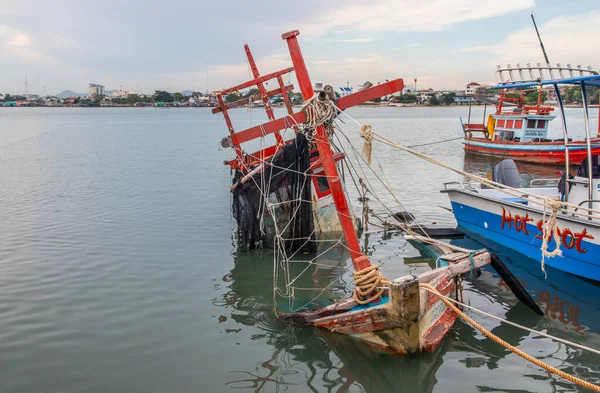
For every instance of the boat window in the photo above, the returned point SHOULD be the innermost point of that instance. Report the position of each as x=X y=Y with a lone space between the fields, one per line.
x=322 y=184
x=518 y=123
x=530 y=123
x=583 y=168
x=541 y=124
x=500 y=123
x=509 y=124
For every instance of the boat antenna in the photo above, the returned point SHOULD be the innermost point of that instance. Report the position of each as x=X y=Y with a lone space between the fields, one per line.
x=540 y=39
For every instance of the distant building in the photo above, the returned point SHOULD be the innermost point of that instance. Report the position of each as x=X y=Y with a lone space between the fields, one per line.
x=344 y=91
x=423 y=96
x=471 y=88
x=120 y=93
x=95 y=89
x=318 y=87
x=463 y=99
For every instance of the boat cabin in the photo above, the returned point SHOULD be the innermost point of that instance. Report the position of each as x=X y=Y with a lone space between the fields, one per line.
x=522 y=123
x=579 y=193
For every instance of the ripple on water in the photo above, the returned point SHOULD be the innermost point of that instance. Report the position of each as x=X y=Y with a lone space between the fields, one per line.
x=117 y=273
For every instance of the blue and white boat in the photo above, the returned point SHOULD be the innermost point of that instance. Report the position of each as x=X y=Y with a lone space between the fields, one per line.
x=515 y=218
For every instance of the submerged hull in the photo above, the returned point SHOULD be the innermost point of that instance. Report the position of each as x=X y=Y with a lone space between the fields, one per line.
x=534 y=152
x=408 y=319
x=517 y=226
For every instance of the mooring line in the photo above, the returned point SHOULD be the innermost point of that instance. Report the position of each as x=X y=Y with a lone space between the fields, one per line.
x=506 y=345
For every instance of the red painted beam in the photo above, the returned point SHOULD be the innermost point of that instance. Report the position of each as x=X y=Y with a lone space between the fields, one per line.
x=359 y=261
x=244 y=101
x=256 y=81
x=343 y=103
x=371 y=93
x=270 y=127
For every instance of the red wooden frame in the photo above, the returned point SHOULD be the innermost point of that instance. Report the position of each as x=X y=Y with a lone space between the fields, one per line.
x=245 y=162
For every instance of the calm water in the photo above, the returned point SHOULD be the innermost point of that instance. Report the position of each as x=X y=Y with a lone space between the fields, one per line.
x=118 y=270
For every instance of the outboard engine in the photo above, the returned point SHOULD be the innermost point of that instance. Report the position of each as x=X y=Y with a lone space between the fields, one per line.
x=506 y=172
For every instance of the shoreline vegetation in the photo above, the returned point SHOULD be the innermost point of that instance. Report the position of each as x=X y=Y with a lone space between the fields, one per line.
x=572 y=97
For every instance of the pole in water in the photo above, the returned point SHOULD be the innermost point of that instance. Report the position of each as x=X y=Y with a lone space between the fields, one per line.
x=470 y=101
x=540 y=39
x=484 y=109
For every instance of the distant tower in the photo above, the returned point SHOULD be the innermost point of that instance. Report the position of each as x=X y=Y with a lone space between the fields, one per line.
x=26 y=86
x=415 y=84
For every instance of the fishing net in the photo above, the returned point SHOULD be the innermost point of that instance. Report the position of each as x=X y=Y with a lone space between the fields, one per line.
x=282 y=190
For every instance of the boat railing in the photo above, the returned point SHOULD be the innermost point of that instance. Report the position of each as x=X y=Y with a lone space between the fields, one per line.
x=585 y=201
x=544 y=182
x=463 y=186
x=511 y=75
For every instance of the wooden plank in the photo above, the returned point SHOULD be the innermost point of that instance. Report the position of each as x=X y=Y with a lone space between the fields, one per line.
x=256 y=81
x=270 y=127
x=404 y=307
x=245 y=101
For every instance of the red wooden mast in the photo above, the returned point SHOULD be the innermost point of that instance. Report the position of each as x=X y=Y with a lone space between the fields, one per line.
x=359 y=260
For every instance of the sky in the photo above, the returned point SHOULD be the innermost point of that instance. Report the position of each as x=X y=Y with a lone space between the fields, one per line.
x=198 y=45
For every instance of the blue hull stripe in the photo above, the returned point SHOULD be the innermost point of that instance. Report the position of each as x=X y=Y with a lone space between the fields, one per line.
x=525 y=147
x=585 y=265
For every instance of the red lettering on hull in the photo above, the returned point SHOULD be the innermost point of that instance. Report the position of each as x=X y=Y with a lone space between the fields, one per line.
x=568 y=238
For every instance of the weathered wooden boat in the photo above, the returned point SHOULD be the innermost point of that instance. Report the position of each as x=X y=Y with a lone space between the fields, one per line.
x=521 y=132
x=277 y=184
x=515 y=216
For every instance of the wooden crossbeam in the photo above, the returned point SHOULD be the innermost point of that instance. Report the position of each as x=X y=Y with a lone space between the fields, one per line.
x=348 y=101
x=245 y=101
x=256 y=81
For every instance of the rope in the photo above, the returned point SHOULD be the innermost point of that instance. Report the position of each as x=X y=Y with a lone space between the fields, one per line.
x=492 y=184
x=517 y=325
x=369 y=282
x=317 y=112
x=437 y=142
x=506 y=345
x=366 y=132
x=550 y=228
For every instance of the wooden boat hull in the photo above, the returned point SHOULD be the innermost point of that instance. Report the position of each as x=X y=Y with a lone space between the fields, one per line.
x=517 y=226
x=533 y=152
x=408 y=319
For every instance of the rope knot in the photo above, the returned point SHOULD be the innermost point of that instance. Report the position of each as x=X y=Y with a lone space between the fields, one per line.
x=369 y=284
x=317 y=112
x=366 y=132
x=549 y=228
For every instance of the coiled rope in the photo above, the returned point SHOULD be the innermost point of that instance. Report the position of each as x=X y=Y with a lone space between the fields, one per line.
x=498 y=340
x=369 y=283
x=317 y=112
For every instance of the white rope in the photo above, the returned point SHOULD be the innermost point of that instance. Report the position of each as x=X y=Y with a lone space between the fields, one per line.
x=516 y=324
x=317 y=111
x=519 y=193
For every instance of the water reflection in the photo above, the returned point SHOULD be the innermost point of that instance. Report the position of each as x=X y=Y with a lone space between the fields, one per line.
x=481 y=165
x=304 y=358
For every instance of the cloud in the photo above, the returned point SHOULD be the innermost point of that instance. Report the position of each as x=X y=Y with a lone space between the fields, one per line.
x=405 y=15
x=20 y=40
x=567 y=39
x=357 y=40
x=472 y=49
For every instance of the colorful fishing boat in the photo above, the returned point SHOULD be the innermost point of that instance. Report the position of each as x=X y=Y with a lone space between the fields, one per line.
x=288 y=188
x=520 y=132
x=516 y=217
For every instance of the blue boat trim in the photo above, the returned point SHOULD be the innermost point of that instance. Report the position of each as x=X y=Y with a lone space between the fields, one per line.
x=488 y=225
